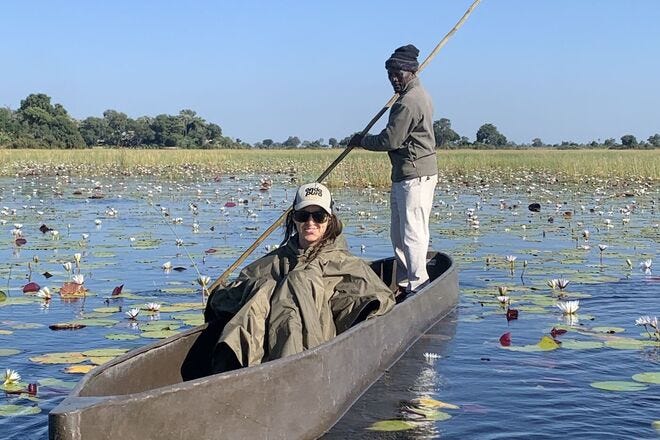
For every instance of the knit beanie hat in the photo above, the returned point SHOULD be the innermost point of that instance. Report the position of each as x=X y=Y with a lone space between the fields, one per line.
x=404 y=58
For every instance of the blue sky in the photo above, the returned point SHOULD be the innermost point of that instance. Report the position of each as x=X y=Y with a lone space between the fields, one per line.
x=555 y=69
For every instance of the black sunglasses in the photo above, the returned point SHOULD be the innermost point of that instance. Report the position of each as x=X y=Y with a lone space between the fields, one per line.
x=317 y=216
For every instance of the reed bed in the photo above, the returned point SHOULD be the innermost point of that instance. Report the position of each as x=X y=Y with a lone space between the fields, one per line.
x=359 y=168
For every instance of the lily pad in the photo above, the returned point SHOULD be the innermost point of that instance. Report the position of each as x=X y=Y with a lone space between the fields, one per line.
x=14 y=387
x=18 y=410
x=650 y=377
x=545 y=344
x=8 y=351
x=79 y=369
x=609 y=329
x=106 y=352
x=100 y=360
x=391 y=426
x=59 y=358
x=97 y=322
x=122 y=336
x=573 y=344
x=57 y=383
x=625 y=344
x=25 y=325
x=159 y=334
x=6 y=332
x=173 y=308
x=107 y=310
x=619 y=385
x=152 y=326
x=429 y=402
x=179 y=290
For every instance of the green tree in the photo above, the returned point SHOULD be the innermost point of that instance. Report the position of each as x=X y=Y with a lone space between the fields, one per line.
x=655 y=140
x=488 y=135
x=267 y=143
x=537 y=143
x=168 y=130
x=48 y=125
x=444 y=135
x=9 y=126
x=117 y=127
x=628 y=141
x=94 y=131
x=333 y=142
x=291 y=142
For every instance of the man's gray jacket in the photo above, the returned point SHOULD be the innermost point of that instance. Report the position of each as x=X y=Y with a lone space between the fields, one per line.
x=408 y=137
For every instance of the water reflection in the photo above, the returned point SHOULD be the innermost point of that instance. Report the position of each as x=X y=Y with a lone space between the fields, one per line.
x=393 y=396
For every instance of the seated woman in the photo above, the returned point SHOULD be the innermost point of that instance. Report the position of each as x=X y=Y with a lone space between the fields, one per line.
x=302 y=294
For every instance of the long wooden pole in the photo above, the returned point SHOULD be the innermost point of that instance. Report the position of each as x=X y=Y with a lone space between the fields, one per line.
x=223 y=278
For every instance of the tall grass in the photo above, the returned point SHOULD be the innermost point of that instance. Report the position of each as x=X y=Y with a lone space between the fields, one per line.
x=359 y=168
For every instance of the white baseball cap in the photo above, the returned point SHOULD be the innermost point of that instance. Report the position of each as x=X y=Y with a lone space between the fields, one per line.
x=313 y=194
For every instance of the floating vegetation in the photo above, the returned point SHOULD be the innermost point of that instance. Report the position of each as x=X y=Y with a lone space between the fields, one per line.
x=650 y=377
x=131 y=260
x=619 y=385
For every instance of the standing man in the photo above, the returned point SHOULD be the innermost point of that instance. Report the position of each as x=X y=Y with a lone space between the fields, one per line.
x=409 y=141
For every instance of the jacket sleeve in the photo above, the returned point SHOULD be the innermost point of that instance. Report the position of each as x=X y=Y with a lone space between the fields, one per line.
x=399 y=126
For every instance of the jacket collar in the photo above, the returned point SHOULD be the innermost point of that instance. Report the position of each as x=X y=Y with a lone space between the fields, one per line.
x=414 y=82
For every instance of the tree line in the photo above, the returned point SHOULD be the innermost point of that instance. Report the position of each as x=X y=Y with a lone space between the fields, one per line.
x=38 y=123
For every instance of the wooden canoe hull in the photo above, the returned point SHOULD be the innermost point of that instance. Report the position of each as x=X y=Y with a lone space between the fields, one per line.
x=143 y=394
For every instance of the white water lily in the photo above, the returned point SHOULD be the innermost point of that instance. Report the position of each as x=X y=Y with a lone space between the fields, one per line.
x=628 y=263
x=203 y=280
x=503 y=299
x=44 y=293
x=167 y=266
x=646 y=264
x=502 y=290
x=67 y=266
x=643 y=320
x=585 y=235
x=602 y=247
x=153 y=307
x=179 y=242
x=85 y=236
x=568 y=307
x=511 y=258
x=562 y=283
x=76 y=258
x=133 y=313
x=78 y=279
x=98 y=222
x=553 y=283
x=11 y=377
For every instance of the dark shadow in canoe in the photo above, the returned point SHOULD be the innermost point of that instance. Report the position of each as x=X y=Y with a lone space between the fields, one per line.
x=198 y=360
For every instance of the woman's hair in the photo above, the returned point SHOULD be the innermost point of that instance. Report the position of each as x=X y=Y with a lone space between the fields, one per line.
x=331 y=232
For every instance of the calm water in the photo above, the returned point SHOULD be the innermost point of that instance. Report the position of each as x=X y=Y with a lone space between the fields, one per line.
x=500 y=393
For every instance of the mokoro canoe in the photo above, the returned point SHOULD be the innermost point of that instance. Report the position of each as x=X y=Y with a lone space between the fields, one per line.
x=158 y=391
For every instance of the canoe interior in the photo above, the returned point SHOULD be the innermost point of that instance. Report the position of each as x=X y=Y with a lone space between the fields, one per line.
x=188 y=357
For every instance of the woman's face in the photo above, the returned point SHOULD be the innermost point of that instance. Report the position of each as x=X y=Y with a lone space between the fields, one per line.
x=310 y=231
